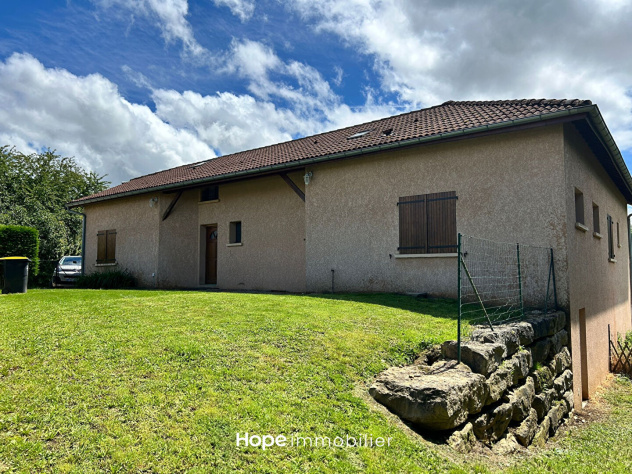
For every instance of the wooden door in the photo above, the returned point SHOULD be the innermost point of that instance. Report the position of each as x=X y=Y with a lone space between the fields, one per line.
x=211 y=255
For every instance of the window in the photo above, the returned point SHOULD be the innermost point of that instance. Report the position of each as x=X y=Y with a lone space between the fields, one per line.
x=427 y=223
x=235 y=232
x=210 y=193
x=106 y=246
x=596 y=228
x=610 y=238
x=579 y=206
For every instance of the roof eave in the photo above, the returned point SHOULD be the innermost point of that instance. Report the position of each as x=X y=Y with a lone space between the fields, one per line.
x=592 y=110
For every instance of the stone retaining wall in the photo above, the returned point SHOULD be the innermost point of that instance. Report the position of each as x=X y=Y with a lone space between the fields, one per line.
x=513 y=387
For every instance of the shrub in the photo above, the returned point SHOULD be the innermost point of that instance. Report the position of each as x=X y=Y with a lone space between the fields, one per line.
x=107 y=280
x=20 y=241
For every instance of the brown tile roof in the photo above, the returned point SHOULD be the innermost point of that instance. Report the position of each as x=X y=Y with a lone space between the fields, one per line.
x=431 y=122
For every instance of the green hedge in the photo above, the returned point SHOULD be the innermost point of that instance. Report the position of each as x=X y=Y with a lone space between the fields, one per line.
x=107 y=280
x=20 y=241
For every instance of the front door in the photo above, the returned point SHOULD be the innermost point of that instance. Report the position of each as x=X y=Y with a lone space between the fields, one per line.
x=211 y=255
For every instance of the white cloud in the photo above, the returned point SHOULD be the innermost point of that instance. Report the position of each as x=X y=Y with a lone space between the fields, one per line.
x=170 y=15
x=243 y=9
x=86 y=117
x=429 y=51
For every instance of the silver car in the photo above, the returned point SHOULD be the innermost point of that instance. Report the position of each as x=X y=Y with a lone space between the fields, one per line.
x=67 y=271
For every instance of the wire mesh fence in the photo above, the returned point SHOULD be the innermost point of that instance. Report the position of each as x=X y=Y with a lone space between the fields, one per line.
x=499 y=282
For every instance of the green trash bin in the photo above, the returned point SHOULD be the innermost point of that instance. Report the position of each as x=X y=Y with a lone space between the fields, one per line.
x=16 y=274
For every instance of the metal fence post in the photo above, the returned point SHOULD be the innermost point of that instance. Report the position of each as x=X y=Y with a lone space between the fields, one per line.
x=520 y=281
x=459 y=298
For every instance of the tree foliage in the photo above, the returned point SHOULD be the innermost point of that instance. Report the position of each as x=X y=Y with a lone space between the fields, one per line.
x=33 y=192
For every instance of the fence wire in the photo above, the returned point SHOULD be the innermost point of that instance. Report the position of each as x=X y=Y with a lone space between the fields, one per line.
x=500 y=281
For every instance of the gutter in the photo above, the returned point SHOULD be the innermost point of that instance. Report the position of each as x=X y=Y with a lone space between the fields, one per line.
x=591 y=109
x=83 y=239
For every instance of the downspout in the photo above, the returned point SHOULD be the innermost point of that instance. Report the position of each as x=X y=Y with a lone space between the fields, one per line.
x=630 y=253
x=83 y=240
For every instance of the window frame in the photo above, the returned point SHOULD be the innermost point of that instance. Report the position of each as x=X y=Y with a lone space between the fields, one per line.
x=209 y=193
x=235 y=233
x=611 y=254
x=580 y=216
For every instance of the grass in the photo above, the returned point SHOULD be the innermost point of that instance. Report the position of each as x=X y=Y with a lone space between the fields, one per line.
x=128 y=381
x=151 y=381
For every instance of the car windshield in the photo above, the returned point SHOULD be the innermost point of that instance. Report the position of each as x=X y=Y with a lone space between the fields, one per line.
x=71 y=261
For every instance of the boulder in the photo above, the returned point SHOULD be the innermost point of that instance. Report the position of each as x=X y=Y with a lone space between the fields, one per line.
x=527 y=429
x=540 y=350
x=561 y=361
x=544 y=325
x=463 y=440
x=491 y=425
x=556 y=415
x=569 y=399
x=521 y=362
x=521 y=400
x=506 y=335
x=500 y=381
x=542 y=433
x=525 y=332
x=440 y=397
x=507 y=445
x=543 y=401
x=481 y=357
x=558 y=340
x=543 y=378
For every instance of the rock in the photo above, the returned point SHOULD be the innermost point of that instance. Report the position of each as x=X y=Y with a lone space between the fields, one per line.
x=559 y=340
x=522 y=365
x=542 y=433
x=527 y=429
x=556 y=414
x=491 y=425
x=544 y=326
x=521 y=400
x=482 y=358
x=569 y=400
x=506 y=335
x=439 y=399
x=540 y=350
x=507 y=445
x=542 y=402
x=543 y=378
x=526 y=334
x=463 y=440
x=563 y=383
x=500 y=381
x=561 y=361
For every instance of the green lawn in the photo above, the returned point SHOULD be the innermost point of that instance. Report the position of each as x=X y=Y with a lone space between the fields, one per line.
x=155 y=381
x=128 y=381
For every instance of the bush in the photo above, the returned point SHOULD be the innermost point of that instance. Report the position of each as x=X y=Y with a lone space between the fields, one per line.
x=20 y=241
x=107 y=280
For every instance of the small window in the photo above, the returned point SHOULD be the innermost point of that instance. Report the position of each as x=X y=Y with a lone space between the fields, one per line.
x=610 y=238
x=359 y=134
x=106 y=246
x=427 y=223
x=579 y=207
x=235 y=232
x=210 y=193
x=596 y=227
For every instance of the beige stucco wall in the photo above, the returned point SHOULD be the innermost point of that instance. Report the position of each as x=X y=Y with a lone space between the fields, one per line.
x=599 y=286
x=509 y=189
x=272 y=256
x=136 y=225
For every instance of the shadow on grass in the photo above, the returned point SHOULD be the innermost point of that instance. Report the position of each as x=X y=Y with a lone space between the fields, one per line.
x=436 y=307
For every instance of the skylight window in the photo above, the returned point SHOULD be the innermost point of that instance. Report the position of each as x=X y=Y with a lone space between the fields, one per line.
x=359 y=134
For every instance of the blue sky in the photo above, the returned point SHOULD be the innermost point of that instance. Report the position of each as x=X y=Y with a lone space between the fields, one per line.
x=130 y=87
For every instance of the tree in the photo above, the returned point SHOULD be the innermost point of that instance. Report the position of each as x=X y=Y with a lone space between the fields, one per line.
x=33 y=192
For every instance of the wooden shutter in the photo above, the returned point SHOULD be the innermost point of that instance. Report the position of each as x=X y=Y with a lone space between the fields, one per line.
x=101 y=246
x=441 y=222
x=412 y=224
x=111 y=246
x=610 y=238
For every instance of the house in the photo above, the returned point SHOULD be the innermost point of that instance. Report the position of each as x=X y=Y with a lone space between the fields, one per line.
x=322 y=212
